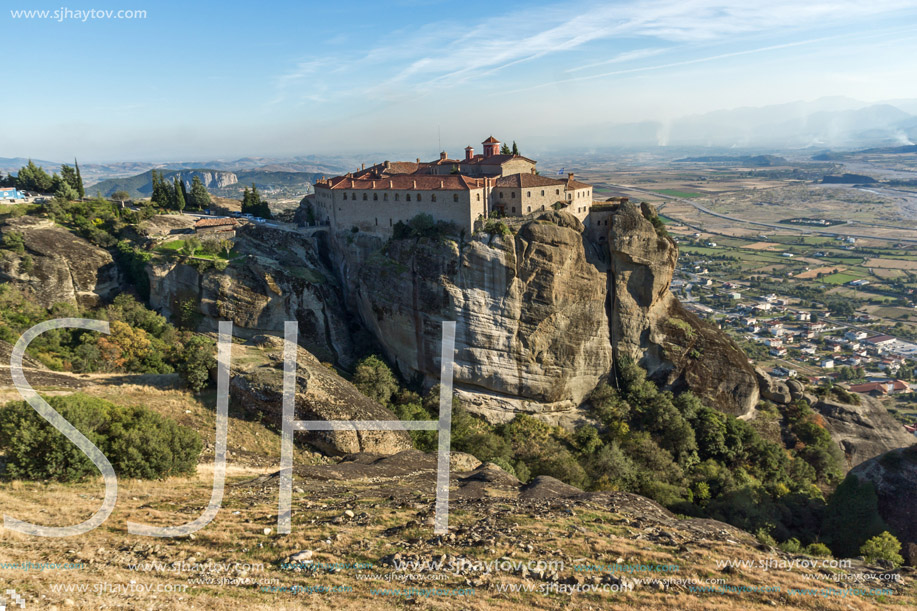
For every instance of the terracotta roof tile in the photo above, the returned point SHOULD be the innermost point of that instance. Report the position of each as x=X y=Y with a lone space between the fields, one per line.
x=215 y=222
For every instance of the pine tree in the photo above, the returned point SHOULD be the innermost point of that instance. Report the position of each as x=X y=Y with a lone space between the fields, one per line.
x=81 y=191
x=246 y=200
x=178 y=194
x=200 y=198
x=504 y=150
x=515 y=148
x=158 y=196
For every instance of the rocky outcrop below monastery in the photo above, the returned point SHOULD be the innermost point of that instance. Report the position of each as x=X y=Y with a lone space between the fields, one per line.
x=57 y=266
x=542 y=314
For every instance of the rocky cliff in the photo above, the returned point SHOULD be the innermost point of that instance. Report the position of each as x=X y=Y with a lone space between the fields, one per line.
x=258 y=296
x=56 y=265
x=541 y=314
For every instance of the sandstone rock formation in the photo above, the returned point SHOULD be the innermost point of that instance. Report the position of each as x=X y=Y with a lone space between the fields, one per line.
x=259 y=293
x=649 y=325
x=862 y=431
x=541 y=315
x=257 y=386
x=532 y=329
x=57 y=265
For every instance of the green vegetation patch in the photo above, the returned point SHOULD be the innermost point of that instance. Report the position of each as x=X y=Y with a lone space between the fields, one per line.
x=138 y=442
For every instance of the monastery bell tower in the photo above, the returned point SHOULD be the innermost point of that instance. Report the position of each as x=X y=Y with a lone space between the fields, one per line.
x=491 y=147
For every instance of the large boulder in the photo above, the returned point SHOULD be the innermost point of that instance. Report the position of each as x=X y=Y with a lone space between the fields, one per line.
x=773 y=390
x=862 y=430
x=541 y=314
x=257 y=386
x=58 y=266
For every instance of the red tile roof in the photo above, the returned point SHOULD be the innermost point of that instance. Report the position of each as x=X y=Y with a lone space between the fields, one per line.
x=215 y=222
x=495 y=159
x=528 y=180
x=491 y=140
x=883 y=387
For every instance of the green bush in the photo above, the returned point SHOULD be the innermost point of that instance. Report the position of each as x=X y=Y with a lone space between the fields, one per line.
x=138 y=442
x=196 y=361
x=375 y=379
x=818 y=549
x=884 y=546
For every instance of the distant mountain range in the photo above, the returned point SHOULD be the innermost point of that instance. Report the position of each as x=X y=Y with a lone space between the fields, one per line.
x=824 y=123
x=272 y=184
x=95 y=174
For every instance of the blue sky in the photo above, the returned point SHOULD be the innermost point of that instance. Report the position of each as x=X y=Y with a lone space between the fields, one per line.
x=210 y=80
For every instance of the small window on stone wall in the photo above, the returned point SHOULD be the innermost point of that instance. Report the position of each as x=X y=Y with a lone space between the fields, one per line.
x=455 y=197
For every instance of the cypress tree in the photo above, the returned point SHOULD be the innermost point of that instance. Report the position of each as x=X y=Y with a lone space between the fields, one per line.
x=200 y=198
x=515 y=148
x=246 y=200
x=178 y=194
x=184 y=192
x=79 y=180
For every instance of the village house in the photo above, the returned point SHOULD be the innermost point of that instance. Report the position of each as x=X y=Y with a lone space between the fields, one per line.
x=216 y=228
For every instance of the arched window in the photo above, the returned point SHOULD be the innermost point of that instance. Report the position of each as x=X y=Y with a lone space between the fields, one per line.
x=501 y=194
x=513 y=195
x=542 y=206
x=418 y=197
x=364 y=197
x=542 y=191
x=530 y=209
x=479 y=197
x=396 y=196
x=528 y=194
x=375 y=197
x=407 y=197
x=433 y=197
x=455 y=197
x=556 y=191
x=385 y=197
x=345 y=195
x=514 y=209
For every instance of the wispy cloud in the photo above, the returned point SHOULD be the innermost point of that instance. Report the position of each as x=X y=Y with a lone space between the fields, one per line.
x=448 y=54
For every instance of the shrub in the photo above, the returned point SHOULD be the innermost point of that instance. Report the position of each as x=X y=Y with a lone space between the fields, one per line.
x=196 y=361
x=884 y=546
x=375 y=380
x=138 y=442
x=852 y=516
x=791 y=546
x=818 y=549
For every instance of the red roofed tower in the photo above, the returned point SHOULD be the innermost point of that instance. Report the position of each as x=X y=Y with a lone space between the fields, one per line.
x=491 y=147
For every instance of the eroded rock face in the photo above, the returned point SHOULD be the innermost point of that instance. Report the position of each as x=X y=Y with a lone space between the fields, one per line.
x=862 y=431
x=894 y=476
x=531 y=332
x=257 y=386
x=541 y=315
x=57 y=265
x=259 y=294
x=650 y=326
